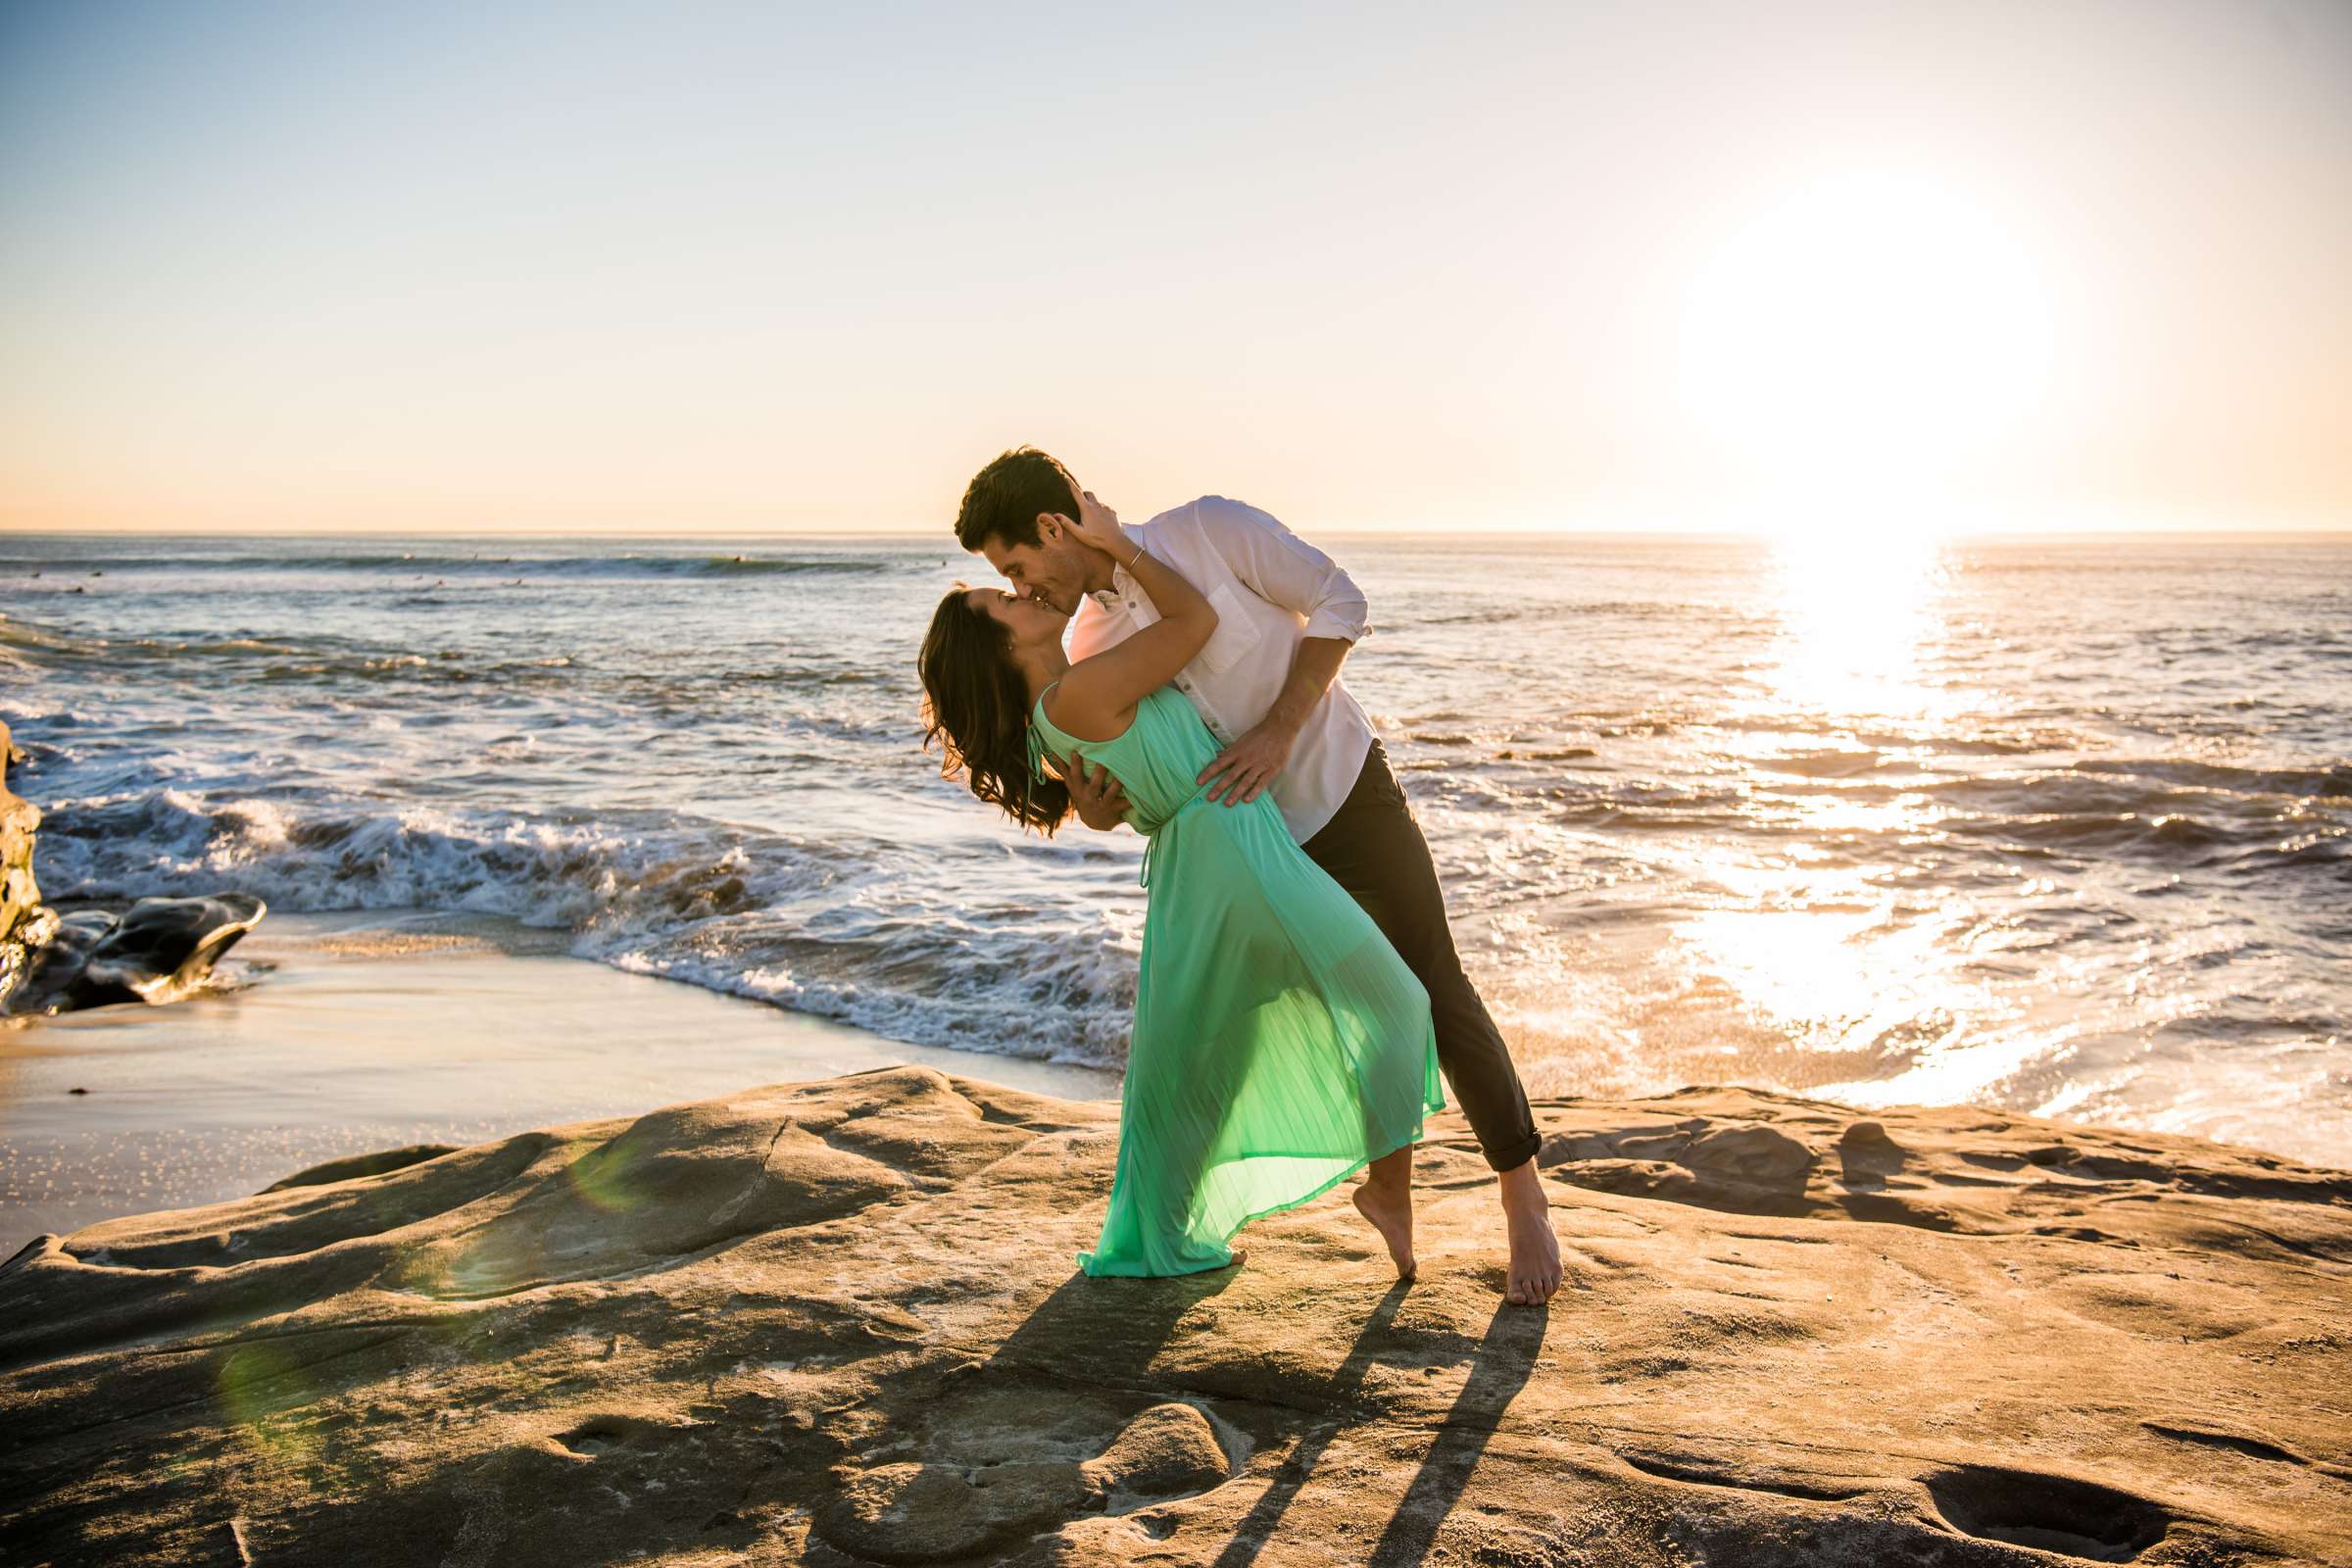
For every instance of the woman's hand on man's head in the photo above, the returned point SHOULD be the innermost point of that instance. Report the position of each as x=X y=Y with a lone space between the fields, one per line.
x=1099 y=526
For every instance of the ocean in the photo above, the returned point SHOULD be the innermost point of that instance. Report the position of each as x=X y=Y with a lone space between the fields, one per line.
x=2061 y=826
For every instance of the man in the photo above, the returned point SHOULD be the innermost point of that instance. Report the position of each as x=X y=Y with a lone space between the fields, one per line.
x=1267 y=685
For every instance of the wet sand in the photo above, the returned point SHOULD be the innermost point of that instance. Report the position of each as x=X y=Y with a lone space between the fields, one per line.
x=352 y=1033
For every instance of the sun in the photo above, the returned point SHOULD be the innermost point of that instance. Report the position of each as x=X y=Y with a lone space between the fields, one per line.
x=1865 y=343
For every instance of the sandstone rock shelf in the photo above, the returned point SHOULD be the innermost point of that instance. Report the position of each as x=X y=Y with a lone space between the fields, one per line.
x=838 y=1322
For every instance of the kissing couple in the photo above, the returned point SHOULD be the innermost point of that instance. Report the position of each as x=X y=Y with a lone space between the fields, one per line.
x=1298 y=990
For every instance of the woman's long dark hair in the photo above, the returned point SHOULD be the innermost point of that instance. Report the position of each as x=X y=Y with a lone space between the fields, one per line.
x=976 y=704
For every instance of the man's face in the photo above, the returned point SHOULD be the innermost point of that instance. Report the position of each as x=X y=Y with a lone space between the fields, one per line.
x=1052 y=572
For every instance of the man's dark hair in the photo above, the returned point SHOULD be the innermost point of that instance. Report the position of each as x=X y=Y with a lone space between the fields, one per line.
x=1004 y=499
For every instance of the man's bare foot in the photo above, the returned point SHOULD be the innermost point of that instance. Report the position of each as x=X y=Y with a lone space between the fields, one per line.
x=1534 y=1250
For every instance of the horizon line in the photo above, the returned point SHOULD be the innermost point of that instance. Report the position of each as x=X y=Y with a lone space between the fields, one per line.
x=920 y=531
x=680 y=537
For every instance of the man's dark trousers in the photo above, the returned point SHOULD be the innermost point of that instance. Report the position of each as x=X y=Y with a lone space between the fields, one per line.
x=1374 y=849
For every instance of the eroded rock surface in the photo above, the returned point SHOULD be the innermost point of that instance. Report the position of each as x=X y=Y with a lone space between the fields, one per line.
x=839 y=1323
x=20 y=893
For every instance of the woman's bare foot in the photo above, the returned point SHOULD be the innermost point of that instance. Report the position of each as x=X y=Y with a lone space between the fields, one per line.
x=1386 y=1199
x=1391 y=1214
x=1237 y=1253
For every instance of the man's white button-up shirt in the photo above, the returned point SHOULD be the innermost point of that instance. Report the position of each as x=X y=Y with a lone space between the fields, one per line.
x=1269 y=588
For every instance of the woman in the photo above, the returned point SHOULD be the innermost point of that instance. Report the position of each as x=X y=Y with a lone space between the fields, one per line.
x=1279 y=1043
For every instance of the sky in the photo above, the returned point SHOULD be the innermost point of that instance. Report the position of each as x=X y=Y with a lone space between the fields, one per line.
x=1989 y=264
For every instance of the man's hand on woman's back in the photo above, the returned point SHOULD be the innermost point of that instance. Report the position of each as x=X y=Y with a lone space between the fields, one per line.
x=1094 y=791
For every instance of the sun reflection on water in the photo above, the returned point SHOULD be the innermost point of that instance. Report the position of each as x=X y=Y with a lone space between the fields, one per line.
x=1835 y=744
x=1857 y=617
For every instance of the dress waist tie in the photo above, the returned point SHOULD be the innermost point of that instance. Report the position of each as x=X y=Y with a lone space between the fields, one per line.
x=1143 y=875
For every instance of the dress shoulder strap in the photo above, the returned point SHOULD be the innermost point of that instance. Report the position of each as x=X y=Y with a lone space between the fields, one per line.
x=1035 y=742
x=1037 y=709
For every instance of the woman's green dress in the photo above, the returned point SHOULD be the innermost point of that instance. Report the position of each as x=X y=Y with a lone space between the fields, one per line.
x=1279 y=1043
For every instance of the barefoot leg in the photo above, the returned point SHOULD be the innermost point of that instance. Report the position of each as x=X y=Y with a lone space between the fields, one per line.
x=1535 y=1250
x=1385 y=1197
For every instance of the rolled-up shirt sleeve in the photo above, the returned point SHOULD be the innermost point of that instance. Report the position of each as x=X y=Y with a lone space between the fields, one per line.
x=1284 y=568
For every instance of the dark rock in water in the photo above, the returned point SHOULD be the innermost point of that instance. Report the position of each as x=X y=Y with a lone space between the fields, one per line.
x=56 y=962
x=163 y=947
x=158 y=952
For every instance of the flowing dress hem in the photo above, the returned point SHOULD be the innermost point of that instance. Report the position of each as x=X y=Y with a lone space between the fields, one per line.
x=1428 y=1107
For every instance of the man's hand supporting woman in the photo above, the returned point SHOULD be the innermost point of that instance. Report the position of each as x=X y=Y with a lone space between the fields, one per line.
x=1257 y=754
x=1096 y=792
